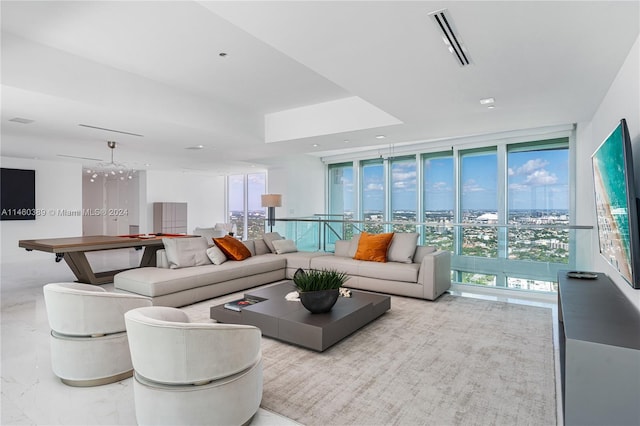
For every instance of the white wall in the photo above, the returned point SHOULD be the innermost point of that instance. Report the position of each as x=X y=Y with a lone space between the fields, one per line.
x=300 y=180
x=621 y=101
x=204 y=195
x=58 y=187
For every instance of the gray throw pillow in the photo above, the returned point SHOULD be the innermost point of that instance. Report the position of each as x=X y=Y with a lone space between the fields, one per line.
x=353 y=245
x=284 y=246
x=249 y=244
x=268 y=239
x=402 y=247
x=342 y=248
x=185 y=252
x=261 y=247
x=422 y=251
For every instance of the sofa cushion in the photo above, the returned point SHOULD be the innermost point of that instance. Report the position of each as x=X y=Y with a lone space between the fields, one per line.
x=402 y=247
x=155 y=282
x=342 y=248
x=250 y=245
x=232 y=248
x=268 y=239
x=302 y=259
x=373 y=247
x=186 y=252
x=260 y=247
x=422 y=251
x=342 y=264
x=392 y=271
x=284 y=246
x=215 y=255
x=353 y=245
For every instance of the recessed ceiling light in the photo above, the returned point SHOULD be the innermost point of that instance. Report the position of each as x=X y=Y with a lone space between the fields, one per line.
x=380 y=137
x=346 y=141
x=491 y=106
x=195 y=147
x=315 y=145
x=487 y=101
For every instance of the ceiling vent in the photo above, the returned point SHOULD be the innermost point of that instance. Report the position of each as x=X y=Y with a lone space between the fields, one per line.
x=109 y=130
x=21 y=120
x=451 y=39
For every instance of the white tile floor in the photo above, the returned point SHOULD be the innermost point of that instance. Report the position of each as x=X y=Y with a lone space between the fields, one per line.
x=31 y=394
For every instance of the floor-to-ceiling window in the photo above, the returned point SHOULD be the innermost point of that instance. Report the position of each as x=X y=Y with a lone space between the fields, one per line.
x=404 y=201
x=341 y=201
x=373 y=195
x=501 y=209
x=236 y=201
x=538 y=196
x=256 y=186
x=243 y=200
x=479 y=202
x=438 y=199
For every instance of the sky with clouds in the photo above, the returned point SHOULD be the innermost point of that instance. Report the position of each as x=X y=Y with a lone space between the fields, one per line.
x=537 y=180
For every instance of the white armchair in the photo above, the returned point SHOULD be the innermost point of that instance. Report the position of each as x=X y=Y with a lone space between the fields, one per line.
x=193 y=373
x=89 y=344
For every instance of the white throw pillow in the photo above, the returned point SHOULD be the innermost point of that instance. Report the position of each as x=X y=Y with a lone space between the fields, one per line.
x=284 y=246
x=403 y=247
x=185 y=252
x=216 y=256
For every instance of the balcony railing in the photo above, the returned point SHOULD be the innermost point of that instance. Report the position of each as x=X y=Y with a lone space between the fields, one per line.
x=514 y=256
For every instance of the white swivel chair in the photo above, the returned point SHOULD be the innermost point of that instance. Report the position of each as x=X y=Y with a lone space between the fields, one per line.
x=193 y=373
x=89 y=344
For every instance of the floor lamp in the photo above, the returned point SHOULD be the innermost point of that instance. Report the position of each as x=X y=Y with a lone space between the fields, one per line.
x=272 y=201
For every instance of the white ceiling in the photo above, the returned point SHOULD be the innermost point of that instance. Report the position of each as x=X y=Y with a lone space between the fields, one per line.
x=154 y=69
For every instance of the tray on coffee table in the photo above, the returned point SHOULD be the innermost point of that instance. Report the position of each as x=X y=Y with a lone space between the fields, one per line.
x=290 y=322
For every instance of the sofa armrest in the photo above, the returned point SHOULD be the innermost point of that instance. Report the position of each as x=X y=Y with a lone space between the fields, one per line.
x=161 y=259
x=435 y=274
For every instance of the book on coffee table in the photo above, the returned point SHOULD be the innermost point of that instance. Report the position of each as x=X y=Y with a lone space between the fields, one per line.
x=237 y=305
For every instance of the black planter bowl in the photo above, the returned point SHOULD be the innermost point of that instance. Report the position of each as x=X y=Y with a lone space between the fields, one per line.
x=319 y=302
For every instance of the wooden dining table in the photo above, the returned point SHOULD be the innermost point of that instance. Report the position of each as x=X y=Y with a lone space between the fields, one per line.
x=73 y=250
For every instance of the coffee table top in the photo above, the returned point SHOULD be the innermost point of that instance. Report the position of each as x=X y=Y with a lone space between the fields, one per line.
x=289 y=321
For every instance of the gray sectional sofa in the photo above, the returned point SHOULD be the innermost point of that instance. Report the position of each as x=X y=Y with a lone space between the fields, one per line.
x=425 y=275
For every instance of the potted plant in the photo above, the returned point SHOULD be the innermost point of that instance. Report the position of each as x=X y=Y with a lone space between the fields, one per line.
x=319 y=289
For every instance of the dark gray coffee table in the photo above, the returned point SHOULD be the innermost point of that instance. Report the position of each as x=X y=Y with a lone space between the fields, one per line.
x=292 y=323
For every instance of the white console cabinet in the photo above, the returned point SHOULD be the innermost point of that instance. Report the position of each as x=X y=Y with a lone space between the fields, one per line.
x=599 y=352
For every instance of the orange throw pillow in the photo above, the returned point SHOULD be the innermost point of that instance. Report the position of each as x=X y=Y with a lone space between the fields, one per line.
x=232 y=248
x=373 y=246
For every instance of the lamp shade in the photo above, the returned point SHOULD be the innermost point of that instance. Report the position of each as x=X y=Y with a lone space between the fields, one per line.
x=271 y=200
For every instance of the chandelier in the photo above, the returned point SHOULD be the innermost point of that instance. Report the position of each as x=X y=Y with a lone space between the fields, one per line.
x=110 y=170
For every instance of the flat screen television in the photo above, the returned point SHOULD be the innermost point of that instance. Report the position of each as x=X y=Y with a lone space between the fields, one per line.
x=17 y=194
x=617 y=204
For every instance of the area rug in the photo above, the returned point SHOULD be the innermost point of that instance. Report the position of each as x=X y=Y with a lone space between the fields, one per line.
x=456 y=361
